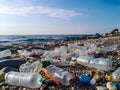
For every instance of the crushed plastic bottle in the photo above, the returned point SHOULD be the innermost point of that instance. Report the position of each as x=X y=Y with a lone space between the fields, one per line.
x=31 y=67
x=24 y=52
x=99 y=63
x=31 y=80
x=64 y=77
x=5 y=53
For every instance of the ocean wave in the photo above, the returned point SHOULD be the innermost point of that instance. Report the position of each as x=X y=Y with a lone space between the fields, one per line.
x=37 y=38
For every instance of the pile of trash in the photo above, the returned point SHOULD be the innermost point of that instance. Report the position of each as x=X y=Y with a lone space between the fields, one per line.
x=72 y=66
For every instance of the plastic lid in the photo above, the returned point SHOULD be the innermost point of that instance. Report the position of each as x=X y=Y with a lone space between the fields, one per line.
x=70 y=80
x=41 y=80
x=45 y=63
x=84 y=78
x=50 y=76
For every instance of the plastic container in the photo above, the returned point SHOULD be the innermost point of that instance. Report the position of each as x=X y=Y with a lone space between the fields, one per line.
x=31 y=67
x=5 y=53
x=64 y=77
x=31 y=80
x=116 y=75
x=98 y=63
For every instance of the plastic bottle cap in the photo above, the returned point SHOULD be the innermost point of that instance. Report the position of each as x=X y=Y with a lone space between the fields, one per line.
x=45 y=63
x=70 y=80
x=84 y=78
x=41 y=80
x=92 y=81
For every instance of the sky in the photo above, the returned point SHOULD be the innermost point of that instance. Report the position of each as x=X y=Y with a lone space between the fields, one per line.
x=31 y=17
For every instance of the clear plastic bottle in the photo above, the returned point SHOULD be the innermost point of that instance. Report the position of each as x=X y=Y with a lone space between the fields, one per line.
x=109 y=49
x=31 y=67
x=116 y=75
x=99 y=63
x=31 y=80
x=5 y=53
x=64 y=77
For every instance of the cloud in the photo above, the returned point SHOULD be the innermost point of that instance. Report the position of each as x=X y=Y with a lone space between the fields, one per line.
x=51 y=12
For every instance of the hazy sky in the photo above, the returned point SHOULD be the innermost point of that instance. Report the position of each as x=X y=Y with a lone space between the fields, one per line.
x=58 y=16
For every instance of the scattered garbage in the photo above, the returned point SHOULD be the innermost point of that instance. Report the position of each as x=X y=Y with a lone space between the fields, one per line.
x=77 y=65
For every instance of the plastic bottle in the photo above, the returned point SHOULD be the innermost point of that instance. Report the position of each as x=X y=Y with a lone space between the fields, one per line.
x=5 y=53
x=116 y=75
x=64 y=77
x=31 y=67
x=31 y=80
x=104 y=50
x=99 y=63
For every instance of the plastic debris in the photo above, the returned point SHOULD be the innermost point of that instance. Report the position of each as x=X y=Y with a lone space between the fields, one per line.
x=31 y=80
x=5 y=53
